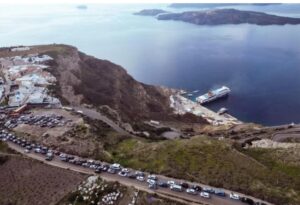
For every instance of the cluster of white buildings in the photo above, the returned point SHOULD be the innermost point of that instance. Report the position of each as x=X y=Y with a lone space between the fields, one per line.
x=27 y=80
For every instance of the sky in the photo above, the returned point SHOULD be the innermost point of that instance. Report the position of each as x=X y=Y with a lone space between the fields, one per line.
x=141 y=1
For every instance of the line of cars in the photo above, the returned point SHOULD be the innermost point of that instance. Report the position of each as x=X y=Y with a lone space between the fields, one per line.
x=49 y=121
x=27 y=145
x=152 y=180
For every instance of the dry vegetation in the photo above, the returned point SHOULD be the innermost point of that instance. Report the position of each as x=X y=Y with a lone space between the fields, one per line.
x=95 y=191
x=26 y=182
x=218 y=163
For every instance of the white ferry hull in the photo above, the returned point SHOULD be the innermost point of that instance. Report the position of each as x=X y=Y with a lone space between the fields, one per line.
x=219 y=93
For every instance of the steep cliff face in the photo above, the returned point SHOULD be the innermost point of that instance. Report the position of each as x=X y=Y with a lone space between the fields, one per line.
x=85 y=79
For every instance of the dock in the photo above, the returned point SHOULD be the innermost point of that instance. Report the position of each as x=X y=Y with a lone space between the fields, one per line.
x=182 y=105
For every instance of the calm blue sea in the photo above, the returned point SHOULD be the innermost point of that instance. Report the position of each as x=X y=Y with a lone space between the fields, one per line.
x=261 y=64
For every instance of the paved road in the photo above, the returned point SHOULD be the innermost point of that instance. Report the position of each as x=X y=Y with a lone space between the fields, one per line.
x=287 y=134
x=96 y=115
x=164 y=192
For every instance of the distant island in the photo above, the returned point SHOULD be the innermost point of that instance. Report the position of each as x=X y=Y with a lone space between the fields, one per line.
x=222 y=16
x=214 y=5
x=150 y=12
x=82 y=7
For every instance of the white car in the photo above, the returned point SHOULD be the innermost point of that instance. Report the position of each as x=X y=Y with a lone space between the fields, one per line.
x=151 y=181
x=176 y=187
x=27 y=151
x=140 y=178
x=49 y=154
x=116 y=166
x=90 y=161
x=125 y=170
x=204 y=195
x=234 y=196
x=93 y=166
x=139 y=173
x=79 y=111
x=37 y=150
x=170 y=182
x=191 y=191
x=153 y=177
x=62 y=155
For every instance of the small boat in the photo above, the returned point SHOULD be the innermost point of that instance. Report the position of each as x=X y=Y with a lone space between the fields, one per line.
x=195 y=91
x=222 y=111
x=190 y=94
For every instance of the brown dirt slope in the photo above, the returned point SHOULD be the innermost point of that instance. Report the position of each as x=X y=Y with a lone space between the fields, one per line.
x=26 y=182
x=86 y=79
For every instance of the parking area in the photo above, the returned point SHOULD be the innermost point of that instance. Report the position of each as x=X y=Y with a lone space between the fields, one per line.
x=47 y=120
x=152 y=181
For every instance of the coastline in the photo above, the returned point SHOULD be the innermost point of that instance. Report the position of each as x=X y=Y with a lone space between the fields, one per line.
x=182 y=105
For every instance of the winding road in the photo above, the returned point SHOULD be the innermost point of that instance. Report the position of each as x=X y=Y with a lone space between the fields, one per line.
x=163 y=192
x=93 y=114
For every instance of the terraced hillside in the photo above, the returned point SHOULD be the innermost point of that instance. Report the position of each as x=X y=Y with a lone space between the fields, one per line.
x=25 y=182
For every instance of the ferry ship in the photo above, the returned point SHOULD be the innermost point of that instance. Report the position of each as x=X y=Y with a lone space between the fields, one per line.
x=213 y=95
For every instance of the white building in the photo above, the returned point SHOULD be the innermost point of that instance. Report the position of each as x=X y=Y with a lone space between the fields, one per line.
x=20 y=49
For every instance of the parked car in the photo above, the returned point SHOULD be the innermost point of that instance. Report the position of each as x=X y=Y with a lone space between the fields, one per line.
x=176 y=187
x=151 y=181
x=208 y=190
x=125 y=170
x=37 y=150
x=220 y=192
x=184 y=185
x=43 y=151
x=191 y=191
x=152 y=177
x=197 y=188
x=131 y=176
x=170 y=183
x=111 y=171
x=234 y=196
x=139 y=173
x=97 y=170
x=140 y=178
x=205 y=194
x=248 y=201
x=104 y=167
x=28 y=147
x=115 y=166
x=49 y=158
x=122 y=174
x=163 y=184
